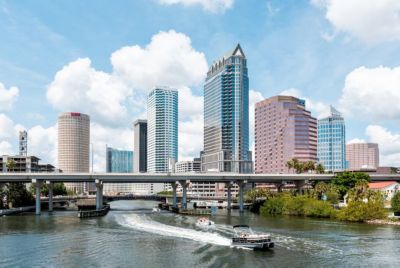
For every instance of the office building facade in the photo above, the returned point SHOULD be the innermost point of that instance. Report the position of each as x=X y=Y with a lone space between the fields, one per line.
x=332 y=141
x=362 y=156
x=226 y=115
x=74 y=146
x=162 y=129
x=284 y=130
x=140 y=145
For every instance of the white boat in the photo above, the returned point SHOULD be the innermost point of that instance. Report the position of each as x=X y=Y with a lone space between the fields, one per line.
x=156 y=210
x=204 y=222
x=245 y=237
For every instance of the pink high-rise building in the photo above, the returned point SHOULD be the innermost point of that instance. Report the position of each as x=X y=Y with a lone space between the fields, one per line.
x=284 y=129
x=362 y=156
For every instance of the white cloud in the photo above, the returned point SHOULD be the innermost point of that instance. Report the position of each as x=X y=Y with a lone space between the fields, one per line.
x=42 y=142
x=356 y=140
x=6 y=148
x=169 y=60
x=7 y=97
x=368 y=20
x=372 y=93
x=7 y=129
x=389 y=144
x=209 y=5
x=79 y=87
x=317 y=108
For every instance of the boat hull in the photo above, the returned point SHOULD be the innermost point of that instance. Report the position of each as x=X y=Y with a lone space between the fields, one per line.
x=265 y=245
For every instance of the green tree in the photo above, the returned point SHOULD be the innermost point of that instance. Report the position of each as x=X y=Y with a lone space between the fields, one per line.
x=396 y=203
x=330 y=191
x=320 y=169
x=18 y=195
x=10 y=164
x=308 y=166
x=347 y=180
x=258 y=193
x=362 y=210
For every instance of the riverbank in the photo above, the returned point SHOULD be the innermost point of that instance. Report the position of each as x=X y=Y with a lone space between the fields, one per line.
x=384 y=222
x=15 y=211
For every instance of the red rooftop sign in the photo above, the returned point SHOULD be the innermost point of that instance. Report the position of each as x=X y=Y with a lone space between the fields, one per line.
x=75 y=114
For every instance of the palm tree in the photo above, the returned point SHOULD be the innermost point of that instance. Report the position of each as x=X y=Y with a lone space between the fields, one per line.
x=309 y=166
x=320 y=169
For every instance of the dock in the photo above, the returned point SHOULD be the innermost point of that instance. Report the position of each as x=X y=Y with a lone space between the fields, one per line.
x=94 y=213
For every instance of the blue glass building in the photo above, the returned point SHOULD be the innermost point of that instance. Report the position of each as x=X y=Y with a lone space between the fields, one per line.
x=119 y=161
x=332 y=142
x=162 y=128
x=226 y=115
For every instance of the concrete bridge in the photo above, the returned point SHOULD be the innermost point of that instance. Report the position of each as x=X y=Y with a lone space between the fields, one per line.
x=174 y=178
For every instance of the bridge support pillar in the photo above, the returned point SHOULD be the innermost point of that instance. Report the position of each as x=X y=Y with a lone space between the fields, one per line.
x=241 y=184
x=174 y=199
x=99 y=195
x=229 y=194
x=184 y=185
x=279 y=186
x=300 y=185
x=50 y=188
x=37 y=184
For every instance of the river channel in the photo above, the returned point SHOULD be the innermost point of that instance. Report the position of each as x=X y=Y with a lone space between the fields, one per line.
x=131 y=235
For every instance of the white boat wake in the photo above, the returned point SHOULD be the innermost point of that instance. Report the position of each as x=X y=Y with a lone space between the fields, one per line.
x=145 y=224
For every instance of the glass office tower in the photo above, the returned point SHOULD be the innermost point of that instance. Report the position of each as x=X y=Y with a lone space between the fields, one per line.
x=162 y=129
x=332 y=142
x=226 y=115
x=119 y=161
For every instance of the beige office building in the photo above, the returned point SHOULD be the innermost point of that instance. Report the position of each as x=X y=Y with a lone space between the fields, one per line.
x=362 y=156
x=73 y=146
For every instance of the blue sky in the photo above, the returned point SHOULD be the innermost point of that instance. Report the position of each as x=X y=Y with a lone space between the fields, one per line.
x=327 y=51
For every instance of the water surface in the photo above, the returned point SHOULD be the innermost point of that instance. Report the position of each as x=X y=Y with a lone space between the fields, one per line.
x=132 y=235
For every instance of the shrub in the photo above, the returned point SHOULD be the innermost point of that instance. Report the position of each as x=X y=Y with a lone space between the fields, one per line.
x=396 y=203
x=273 y=206
x=360 y=211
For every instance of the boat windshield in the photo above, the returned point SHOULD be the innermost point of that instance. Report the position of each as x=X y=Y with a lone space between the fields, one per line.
x=243 y=230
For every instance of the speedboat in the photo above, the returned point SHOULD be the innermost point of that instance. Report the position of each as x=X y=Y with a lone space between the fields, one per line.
x=245 y=237
x=204 y=222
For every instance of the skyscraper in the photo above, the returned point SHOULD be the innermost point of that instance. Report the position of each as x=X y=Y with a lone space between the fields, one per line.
x=119 y=161
x=284 y=129
x=140 y=145
x=73 y=146
x=226 y=115
x=162 y=128
x=362 y=156
x=332 y=142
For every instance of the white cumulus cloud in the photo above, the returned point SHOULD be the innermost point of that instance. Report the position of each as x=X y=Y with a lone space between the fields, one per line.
x=389 y=144
x=372 y=93
x=209 y=5
x=79 y=87
x=371 y=21
x=7 y=97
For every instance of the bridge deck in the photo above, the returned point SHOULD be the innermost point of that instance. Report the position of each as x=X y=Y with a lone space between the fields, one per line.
x=173 y=177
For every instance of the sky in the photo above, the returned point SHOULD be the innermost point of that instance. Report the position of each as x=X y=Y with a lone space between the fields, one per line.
x=102 y=57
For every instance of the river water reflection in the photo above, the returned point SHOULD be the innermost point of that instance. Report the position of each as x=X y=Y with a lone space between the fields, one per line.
x=131 y=235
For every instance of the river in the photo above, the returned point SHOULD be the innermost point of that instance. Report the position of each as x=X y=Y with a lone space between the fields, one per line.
x=131 y=235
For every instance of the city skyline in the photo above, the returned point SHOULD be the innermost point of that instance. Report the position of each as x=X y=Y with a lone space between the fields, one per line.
x=319 y=60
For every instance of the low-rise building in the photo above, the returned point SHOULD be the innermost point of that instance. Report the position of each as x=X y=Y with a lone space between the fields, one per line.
x=387 y=188
x=24 y=164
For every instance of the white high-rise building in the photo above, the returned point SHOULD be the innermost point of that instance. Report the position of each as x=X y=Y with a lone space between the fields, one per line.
x=162 y=129
x=74 y=146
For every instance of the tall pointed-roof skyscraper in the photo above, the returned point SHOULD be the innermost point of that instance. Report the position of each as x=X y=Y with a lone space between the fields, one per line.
x=226 y=115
